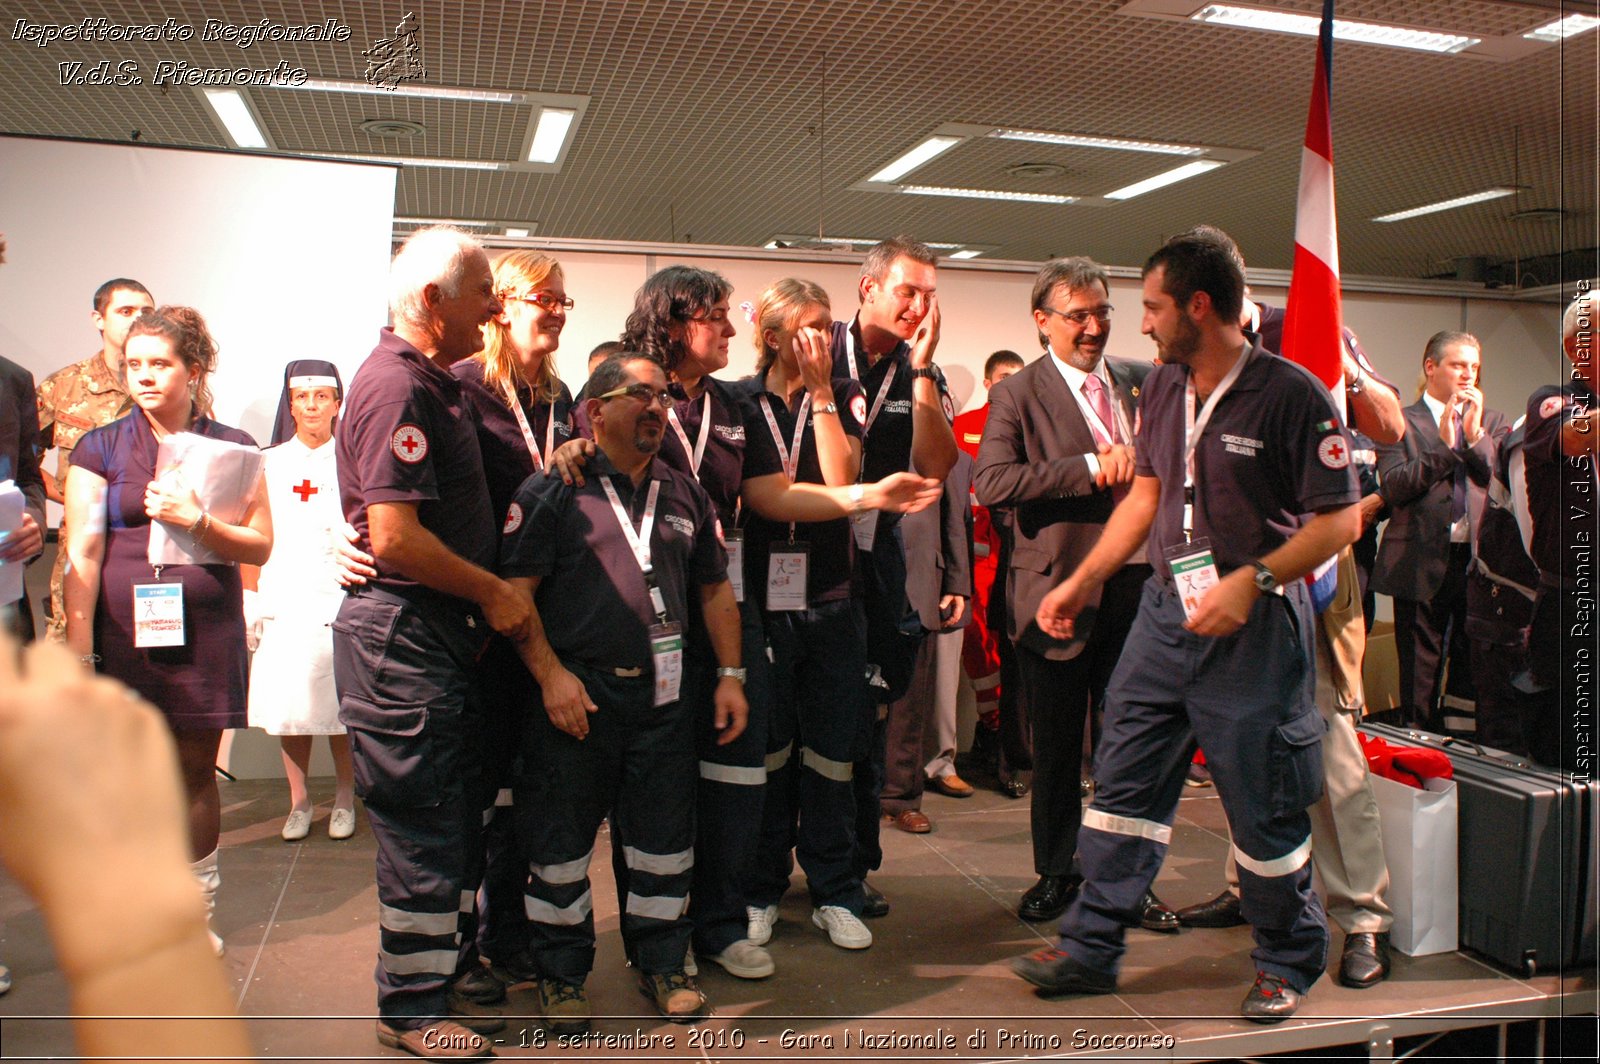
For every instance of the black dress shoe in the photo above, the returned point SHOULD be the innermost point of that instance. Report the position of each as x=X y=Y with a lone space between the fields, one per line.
x=1155 y=916
x=1014 y=788
x=1366 y=959
x=876 y=904
x=1221 y=911
x=1048 y=898
x=1270 y=1000
x=1053 y=971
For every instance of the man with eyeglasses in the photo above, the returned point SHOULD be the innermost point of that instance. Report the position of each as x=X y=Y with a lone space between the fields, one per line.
x=610 y=565
x=1057 y=453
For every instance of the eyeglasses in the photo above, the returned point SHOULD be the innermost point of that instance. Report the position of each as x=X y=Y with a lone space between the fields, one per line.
x=1080 y=318
x=641 y=392
x=547 y=300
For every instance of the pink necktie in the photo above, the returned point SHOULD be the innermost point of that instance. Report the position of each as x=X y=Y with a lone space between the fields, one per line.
x=1095 y=391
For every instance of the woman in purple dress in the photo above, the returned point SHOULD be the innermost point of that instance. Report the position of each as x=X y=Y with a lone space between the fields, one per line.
x=113 y=495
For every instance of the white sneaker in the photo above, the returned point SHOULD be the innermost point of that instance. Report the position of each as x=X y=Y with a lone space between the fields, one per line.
x=844 y=928
x=759 y=930
x=298 y=826
x=342 y=824
x=746 y=960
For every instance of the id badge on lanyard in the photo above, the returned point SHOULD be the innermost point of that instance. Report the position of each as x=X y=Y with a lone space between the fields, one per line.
x=1194 y=572
x=864 y=527
x=787 y=567
x=158 y=615
x=666 y=655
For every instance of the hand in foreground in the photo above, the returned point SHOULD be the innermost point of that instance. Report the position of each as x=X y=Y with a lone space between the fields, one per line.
x=1226 y=607
x=24 y=543
x=957 y=605
x=567 y=703
x=1060 y=607
x=355 y=567
x=570 y=458
x=1116 y=465
x=905 y=493
x=508 y=611
x=811 y=351
x=732 y=711
x=170 y=500
x=926 y=338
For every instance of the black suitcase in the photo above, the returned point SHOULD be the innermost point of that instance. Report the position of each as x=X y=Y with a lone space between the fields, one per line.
x=1527 y=854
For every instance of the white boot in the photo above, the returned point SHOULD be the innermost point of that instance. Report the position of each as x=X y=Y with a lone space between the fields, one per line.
x=206 y=874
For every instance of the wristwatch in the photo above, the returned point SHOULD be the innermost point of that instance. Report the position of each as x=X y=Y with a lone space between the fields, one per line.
x=1266 y=583
x=828 y=408
x=727 y=671
x=929 y=372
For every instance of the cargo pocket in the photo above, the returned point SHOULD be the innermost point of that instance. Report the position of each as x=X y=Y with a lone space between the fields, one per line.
x=392 y=754
x=1297 y=763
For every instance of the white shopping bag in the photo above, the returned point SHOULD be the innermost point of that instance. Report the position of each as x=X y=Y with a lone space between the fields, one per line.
x=1420 y=843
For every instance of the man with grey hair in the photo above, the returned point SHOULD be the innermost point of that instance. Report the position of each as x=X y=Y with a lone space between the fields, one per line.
x=1057 y=453
x=411 y=483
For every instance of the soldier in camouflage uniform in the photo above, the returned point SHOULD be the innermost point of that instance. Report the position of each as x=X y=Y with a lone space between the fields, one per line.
x=84 y=396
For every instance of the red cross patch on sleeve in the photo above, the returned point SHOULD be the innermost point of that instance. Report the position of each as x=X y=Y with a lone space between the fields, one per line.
x=409 y=444
x=858 y=409
x=513 y=519
x=1548 y=408
x=1333 y=452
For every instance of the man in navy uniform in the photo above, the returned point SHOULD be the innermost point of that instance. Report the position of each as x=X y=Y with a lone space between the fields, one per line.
x=610 y=565
x=411 y=482
x=888 y=349
x=1235 y=446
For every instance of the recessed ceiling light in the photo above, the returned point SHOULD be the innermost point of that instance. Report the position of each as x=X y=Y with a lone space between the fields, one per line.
x=434 y=92
x=1255 y=18
x=1078 y=140
x=234 y=114
x=516 y=230
x=914 y=158
x=985 y=193
x=1449 y=204
x=459 y=223
x=790 y=240
x=1162 y=180
x=1562 y=28
x=410 y=160
x=965 y=253
x=550 y=136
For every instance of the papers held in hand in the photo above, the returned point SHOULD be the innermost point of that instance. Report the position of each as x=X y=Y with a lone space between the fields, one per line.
x=11 y=507
x=222 y=475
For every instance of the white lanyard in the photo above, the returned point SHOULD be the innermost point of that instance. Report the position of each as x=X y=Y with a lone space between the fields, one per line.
x=698 y=451
x=527 y=432
x=1194 y=428
x=883 y=390
x=640 y=541
x=791 y=458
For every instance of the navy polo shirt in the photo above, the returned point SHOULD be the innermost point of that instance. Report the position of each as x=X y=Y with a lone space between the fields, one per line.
x=592 y=596
x=506 y=461
x=886 y=447
x=1561 y=489
x=830 y=543
x=722 y=465
x=406 y=435
x=1273 y=451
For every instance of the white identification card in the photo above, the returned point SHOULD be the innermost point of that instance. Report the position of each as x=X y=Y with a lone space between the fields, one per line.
x=786 y=577
x=1194 y=572
x=733 y=543
x=864 y=526
x=158 y=615
x=666 y=654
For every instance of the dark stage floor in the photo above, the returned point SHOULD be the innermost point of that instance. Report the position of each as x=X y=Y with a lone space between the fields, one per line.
x=300 y=923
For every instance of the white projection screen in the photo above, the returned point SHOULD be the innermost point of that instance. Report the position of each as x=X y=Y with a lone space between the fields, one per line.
x=286 y=258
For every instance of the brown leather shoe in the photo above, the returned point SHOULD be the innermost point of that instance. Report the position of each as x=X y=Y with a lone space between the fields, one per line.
x=910 y=820
x=441 y=1040
x=951 y=786
x=676 y=996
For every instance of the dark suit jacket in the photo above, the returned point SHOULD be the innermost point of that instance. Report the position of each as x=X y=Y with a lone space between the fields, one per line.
x=19 y=436
x=938 y=544
x=1416 y=479
x=1031 y=461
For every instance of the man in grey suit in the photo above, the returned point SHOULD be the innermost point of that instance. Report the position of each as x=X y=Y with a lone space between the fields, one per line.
x=1058 y=452
x=1434 y=481
x=938 y=545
